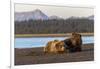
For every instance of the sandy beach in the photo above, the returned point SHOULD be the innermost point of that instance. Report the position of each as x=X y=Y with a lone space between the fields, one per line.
x=50 y=35
x=27 y=56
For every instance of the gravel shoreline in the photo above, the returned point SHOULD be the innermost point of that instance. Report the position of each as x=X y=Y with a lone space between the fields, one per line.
x=27 y=56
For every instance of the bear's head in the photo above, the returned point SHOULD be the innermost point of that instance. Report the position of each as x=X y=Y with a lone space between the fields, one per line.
x=60 y=46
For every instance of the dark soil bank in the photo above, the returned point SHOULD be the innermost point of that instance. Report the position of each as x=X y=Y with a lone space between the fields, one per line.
x=37 y=56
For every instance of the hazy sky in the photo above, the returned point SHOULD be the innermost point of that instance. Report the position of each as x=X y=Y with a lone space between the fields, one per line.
x=55 y=10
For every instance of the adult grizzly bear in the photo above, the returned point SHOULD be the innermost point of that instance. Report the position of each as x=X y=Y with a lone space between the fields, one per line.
x=54 y=47
x=74 y=43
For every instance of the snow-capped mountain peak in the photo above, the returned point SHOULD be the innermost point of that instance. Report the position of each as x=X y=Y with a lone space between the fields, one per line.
x=34 y=15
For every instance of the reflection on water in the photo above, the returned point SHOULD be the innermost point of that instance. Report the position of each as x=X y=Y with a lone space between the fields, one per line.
x=41 y=41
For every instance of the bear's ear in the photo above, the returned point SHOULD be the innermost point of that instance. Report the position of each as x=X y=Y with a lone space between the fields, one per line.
x=56 y=40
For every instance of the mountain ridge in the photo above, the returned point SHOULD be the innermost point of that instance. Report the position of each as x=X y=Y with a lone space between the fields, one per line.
x=39 y=15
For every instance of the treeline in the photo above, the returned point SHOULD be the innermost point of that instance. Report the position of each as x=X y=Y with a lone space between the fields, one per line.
x=54 y=26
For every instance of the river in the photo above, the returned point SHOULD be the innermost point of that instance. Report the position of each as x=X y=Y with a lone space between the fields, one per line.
x=42 y=41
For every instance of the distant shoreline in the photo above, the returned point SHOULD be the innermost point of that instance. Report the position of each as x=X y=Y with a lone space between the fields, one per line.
x=50 y=35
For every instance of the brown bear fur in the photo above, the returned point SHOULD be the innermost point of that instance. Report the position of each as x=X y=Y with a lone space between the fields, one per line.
x=54 y=47
x=74 y=42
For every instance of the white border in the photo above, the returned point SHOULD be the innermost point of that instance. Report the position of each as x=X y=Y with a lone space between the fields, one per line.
x=12 y=34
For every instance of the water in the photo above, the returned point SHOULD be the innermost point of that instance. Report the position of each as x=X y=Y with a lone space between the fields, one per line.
x=42 y=41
